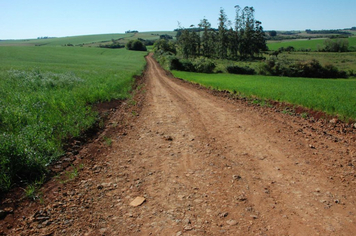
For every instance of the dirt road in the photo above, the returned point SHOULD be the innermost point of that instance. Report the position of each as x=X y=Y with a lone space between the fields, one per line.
x=205 y=165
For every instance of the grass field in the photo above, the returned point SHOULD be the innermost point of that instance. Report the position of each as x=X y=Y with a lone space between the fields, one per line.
x=335 y=97
x=87 y=40
x=304 y=44
x=46 y=96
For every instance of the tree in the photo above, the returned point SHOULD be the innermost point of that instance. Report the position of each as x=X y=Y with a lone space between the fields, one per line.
x=136 y=45
x=222 y=35
x=205 y=26
x=273 y=33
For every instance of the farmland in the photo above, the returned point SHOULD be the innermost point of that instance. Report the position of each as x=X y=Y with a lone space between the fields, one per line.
x=46 y=93
x=336 y=97
x=304 y=44
x=86 y=40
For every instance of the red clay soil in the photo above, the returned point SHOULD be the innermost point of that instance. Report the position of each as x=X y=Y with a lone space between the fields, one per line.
x=202 y=165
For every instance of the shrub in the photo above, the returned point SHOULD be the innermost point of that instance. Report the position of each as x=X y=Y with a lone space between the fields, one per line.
x=136 y=45
x=336 y=45
x=310 y=69
x=234 y=69
x=203 y=65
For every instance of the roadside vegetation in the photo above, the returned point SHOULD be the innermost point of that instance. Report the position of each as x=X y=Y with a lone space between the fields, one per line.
x=47 y=95
x=239 y=59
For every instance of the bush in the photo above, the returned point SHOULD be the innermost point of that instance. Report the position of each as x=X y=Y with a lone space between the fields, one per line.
x=234 y=69
x=309 y=69
x=136 y=45
x=203 y=65
x=336 y=45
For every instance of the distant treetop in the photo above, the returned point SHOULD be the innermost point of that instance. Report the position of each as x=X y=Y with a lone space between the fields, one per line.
x=131 y=31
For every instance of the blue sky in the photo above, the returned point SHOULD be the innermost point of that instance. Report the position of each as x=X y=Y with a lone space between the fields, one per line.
x=22 y=19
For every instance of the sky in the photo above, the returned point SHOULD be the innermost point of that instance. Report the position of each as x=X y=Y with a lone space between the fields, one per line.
x=26 y=19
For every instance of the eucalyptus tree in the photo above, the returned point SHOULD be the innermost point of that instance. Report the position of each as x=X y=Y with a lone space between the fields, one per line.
x=222 y=35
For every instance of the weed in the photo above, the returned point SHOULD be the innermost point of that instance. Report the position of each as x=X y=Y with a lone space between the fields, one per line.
x=71 y=175
x=304 y=115
x=108 y=141
x=132 y=102
x=32 y=191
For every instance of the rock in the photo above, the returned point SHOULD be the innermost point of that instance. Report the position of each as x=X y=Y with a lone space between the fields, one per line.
x=355 y=125
x=137 y=201
x=254 y=217
x=225 y=214
x=236 y=177
x=232 y=222
x=333 y=121
x=188 y=228
x=168 y=138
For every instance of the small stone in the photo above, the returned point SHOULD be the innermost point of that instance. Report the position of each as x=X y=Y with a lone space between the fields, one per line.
x=137 y=201
x=168 y=138
x=254 y=217
x=225 y=214
x=188 y=228
x=236 y=177
x=232 y=222
x=355 y=125
x=333 y=121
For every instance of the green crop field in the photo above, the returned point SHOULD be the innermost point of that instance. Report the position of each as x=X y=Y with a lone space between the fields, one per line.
x=297 y=44
x=304 y=44
x=46 y=96
x=85 y=39
x=334 y=96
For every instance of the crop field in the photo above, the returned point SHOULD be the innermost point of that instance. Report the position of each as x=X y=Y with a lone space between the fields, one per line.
x=345 y=61
x=87 y=40
x=301 y=44
x=46 y=96
x=333 y=96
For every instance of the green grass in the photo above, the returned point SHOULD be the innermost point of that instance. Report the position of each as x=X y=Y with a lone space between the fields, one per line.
x=335 y=97
x=299 y=44
x=89 y=40
x=46 y=96
x=343 y=61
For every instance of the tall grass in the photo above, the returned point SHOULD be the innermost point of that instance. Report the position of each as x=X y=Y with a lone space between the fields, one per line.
x=46 y=95
x=335 y=97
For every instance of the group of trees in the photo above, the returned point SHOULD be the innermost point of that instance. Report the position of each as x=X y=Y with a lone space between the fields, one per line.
x=245 y=39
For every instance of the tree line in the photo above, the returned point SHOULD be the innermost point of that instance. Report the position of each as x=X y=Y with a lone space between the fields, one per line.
x=245 y=38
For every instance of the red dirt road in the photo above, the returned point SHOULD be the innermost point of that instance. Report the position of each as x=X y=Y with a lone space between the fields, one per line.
x=206 y=165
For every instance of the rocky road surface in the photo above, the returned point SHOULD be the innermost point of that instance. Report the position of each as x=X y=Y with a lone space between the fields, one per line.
x=179 y=160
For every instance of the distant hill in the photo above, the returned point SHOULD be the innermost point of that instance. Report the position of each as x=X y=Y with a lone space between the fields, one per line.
x=86 y=40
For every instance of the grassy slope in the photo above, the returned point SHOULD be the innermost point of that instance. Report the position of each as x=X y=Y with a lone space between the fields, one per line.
x=45 y=92
x=304 y=44
x=336 y=97
x=85 y=39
